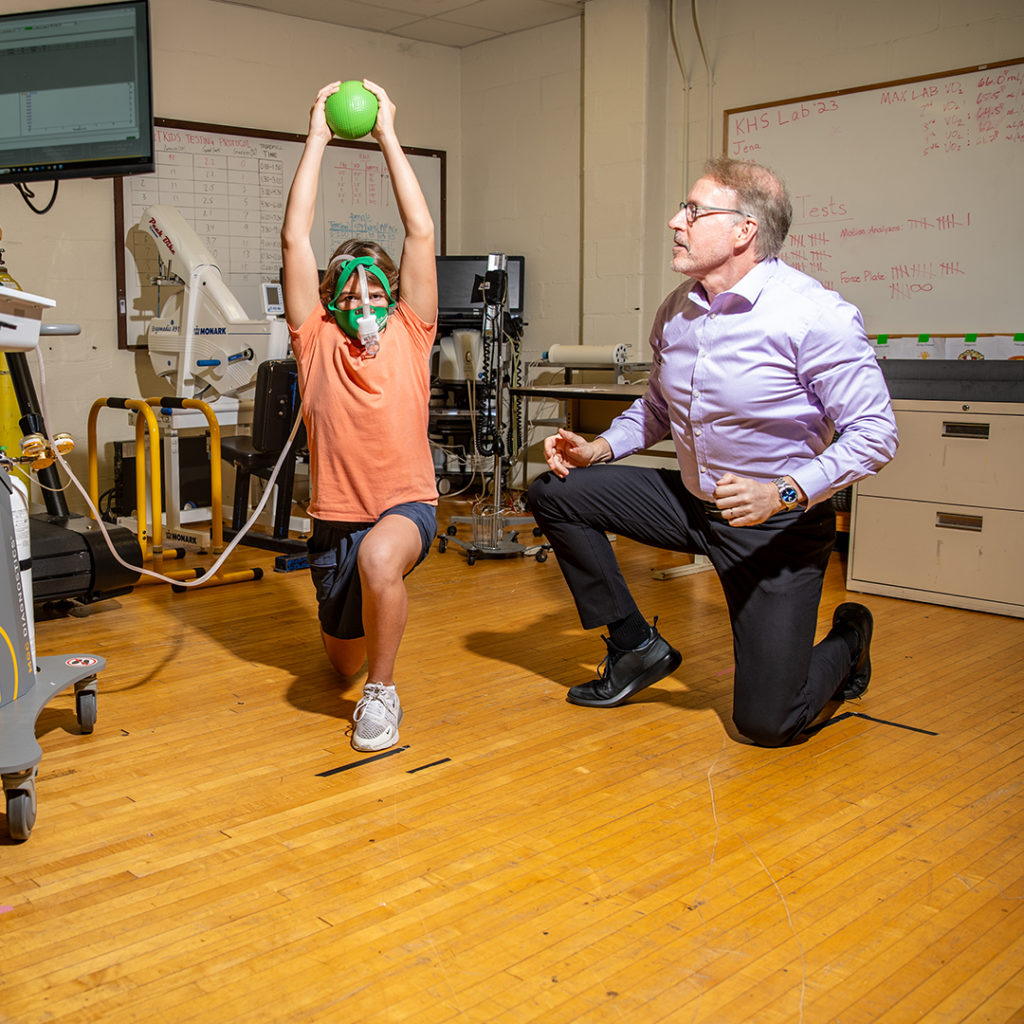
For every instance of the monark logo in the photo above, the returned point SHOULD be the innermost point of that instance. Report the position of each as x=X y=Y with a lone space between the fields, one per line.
x=211 y=330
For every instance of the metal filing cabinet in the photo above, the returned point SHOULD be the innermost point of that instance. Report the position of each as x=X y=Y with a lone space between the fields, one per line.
x=944 y=521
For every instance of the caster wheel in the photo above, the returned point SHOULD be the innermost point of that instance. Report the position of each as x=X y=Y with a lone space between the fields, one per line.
x=85 y=709
x=442 y=545
x=21 y=812
x=538 y=532
x=452 y=530
x=471 y=559
x=542 y=556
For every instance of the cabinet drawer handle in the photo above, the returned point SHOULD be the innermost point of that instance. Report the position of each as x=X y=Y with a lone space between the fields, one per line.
x=957 y=429
x=956 y=521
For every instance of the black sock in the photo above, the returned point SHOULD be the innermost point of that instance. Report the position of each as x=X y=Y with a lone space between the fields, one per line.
x=629 y=633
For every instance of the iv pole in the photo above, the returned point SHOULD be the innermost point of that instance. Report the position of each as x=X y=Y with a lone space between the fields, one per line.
x=489 y=540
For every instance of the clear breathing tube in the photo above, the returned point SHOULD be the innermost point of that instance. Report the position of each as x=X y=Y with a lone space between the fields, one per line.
x=208 y=576
x=369 y=334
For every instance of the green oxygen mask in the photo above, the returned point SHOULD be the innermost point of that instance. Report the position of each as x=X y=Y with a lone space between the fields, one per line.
x=364 y=324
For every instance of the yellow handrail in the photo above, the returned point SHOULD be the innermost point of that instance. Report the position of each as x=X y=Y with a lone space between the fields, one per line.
x=145 y=420
x=216 y=482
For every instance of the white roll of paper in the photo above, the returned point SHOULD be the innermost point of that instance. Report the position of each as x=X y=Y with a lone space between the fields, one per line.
x=584 y=355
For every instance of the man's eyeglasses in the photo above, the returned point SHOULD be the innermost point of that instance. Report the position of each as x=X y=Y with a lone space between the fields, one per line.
x=695 y=210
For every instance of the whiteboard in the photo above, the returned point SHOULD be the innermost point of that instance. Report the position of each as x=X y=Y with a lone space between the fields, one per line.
x=906 y=195
x=230 y=185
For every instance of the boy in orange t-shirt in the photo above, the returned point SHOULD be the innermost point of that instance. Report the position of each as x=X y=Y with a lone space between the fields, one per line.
x=363 y=357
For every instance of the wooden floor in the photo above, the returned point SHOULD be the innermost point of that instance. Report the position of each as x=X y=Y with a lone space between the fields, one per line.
x=216 y=852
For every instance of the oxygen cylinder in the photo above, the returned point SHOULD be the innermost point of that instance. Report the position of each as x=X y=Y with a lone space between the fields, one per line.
x=19 y=513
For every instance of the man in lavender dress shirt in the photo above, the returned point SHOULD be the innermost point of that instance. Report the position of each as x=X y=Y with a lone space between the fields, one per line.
x=755 y=368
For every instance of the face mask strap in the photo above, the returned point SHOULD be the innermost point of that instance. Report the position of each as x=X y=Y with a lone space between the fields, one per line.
x=349 y=267
x=370 y=323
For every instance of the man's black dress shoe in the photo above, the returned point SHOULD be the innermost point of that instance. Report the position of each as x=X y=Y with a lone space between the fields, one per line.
x=623 y=673
x=857 y=618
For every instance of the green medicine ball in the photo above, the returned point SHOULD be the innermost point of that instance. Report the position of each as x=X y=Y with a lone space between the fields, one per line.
x=351 y=111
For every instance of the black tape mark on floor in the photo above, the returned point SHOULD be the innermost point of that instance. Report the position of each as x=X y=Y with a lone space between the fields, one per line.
x=359 y=764
x=859 y=714
x=433 y=764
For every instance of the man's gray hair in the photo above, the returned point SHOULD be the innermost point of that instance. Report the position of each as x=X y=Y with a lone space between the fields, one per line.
x=762 y=194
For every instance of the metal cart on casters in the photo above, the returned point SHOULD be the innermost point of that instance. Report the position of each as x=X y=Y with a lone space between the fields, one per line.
x=27 y=682
x=490 y=538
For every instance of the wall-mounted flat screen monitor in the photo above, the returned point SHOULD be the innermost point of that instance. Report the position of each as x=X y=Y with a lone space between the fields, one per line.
x=76 y=93
x=456 y=276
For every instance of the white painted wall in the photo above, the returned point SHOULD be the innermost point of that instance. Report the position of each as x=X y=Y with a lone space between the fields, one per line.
x=520 y=162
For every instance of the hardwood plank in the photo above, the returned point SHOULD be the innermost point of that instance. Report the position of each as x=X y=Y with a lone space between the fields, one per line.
x=553 y=863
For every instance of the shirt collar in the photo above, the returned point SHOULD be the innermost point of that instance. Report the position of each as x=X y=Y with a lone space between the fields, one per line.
x=743 y=294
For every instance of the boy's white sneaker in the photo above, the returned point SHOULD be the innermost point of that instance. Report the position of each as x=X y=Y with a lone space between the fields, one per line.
x=376 y=718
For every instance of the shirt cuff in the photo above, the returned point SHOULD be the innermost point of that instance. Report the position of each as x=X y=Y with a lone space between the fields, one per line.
x=813 y=483
x=618 y=441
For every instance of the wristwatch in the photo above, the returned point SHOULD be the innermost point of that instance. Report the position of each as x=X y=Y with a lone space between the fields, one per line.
x=787 y=493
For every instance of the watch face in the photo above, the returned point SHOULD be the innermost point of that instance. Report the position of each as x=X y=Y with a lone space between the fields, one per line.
x=788 y=495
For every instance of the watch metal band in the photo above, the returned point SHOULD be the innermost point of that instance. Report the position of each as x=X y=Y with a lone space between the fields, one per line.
x=788 y=494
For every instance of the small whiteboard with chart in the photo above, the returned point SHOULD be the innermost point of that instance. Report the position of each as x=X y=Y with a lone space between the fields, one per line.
x=230 y=185
x=905 y=195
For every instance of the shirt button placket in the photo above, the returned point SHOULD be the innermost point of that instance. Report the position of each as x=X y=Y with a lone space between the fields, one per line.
x=699 y=374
